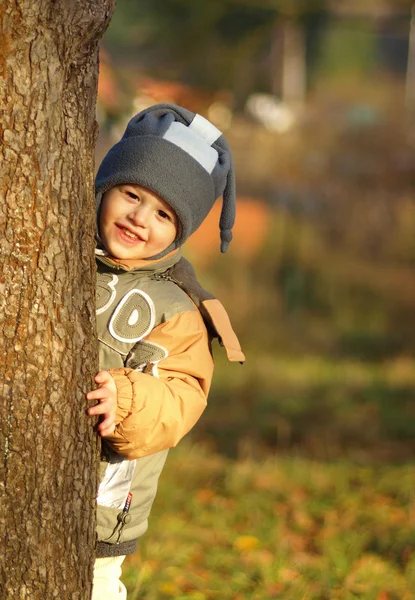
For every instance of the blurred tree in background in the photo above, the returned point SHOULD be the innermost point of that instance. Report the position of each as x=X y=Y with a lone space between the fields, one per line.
x=320 y=276
x=213 y=44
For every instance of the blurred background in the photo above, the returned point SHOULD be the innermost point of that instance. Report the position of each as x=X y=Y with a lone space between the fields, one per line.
x=317 y=100
x=298 y=481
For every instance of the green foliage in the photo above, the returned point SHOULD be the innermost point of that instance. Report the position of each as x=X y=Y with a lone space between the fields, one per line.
x=177 y=26
x=339 y=39
x=279 y=528
x=214 y=45
x=313 y=405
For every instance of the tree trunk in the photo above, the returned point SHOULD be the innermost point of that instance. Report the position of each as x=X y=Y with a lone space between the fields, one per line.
x=288 y=62
x=49 y=451
x=294 y=63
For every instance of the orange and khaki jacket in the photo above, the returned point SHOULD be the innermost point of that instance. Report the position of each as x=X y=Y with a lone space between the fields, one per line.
x=154 y=324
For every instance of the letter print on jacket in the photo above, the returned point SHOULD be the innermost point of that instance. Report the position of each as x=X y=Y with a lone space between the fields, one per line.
x=124 y=317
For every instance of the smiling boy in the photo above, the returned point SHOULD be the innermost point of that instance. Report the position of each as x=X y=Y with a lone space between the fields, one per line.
x=154 y=321
x=135 y=222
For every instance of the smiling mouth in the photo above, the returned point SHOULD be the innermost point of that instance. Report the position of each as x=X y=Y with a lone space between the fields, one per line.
x=129 y=234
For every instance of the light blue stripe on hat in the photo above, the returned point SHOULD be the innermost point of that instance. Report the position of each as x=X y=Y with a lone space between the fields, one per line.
x=205 y=128
x=193 y=143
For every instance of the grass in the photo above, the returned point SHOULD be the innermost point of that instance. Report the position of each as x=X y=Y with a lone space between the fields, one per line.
x=331 y=408
x=278 y=528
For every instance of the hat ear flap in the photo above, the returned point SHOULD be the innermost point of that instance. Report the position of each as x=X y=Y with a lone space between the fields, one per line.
x=228 y=212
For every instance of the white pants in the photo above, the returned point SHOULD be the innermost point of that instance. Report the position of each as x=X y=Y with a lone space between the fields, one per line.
x=107 y=584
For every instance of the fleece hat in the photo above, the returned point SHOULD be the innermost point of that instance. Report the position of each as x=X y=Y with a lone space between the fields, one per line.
x=182 y=157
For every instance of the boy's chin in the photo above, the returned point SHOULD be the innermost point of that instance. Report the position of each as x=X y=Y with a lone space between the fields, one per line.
x=129 y=257
x=122 y=254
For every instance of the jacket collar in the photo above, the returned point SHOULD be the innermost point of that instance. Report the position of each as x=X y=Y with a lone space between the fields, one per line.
x=160 y=264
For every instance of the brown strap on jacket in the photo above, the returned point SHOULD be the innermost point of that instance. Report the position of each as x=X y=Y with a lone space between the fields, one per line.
x=213 y=312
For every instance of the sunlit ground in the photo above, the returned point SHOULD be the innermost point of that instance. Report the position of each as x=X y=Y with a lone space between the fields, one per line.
x=279 y=528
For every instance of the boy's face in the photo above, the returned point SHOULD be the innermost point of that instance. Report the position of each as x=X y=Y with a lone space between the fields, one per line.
x=135 y=223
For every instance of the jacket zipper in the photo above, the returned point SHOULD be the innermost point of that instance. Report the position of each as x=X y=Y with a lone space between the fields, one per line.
x=166 y=276
x=123 y=518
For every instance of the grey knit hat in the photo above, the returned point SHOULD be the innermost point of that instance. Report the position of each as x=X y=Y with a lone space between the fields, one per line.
x=182 y=157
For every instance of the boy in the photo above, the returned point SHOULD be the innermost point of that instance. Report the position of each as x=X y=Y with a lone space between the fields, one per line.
x=154 y=321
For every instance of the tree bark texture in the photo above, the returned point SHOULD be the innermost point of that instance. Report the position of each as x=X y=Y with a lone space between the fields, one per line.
x=49 y=451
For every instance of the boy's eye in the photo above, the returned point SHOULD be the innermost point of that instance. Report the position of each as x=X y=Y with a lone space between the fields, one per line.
x=132 y=195
x=163 y=214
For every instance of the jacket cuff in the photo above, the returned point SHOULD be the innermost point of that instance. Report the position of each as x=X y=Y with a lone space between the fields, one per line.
x=124 y=393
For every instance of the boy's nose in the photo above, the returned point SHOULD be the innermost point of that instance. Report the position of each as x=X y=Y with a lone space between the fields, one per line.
x=140 y=215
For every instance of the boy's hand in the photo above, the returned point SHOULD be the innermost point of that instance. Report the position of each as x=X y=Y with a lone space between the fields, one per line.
x=106 y=394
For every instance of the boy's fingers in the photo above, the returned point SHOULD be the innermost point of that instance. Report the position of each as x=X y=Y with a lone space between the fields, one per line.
x=99 y=394
x=105 y=394
x=107 y=427
x=107 y=432
x=106 y=424
x=102 y=377
x=98 y=409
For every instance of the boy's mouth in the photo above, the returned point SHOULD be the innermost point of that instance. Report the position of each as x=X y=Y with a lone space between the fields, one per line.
x=129 y=234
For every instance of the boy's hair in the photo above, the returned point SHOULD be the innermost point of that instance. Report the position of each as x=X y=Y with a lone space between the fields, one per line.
x=182 y=157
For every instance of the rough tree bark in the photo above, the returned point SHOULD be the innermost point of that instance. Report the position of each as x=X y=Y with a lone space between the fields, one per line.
x=48 y=464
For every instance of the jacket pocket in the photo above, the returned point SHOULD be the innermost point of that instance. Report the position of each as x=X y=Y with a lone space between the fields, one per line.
x=111 y=523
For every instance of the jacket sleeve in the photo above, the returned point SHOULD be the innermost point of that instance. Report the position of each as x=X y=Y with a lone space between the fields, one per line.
x=157 y=408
